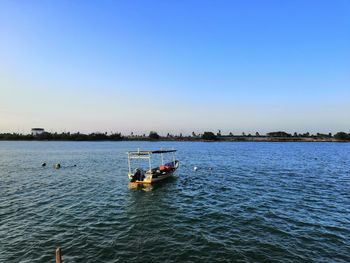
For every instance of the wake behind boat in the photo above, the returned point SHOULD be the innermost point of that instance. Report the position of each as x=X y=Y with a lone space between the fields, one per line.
x=150 y=175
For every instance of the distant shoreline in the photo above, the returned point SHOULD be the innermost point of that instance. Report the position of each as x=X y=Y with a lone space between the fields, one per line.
x=186 y=139
x=279 y=136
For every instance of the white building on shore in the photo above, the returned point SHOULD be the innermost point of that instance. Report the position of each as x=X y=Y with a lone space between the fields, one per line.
x=37 y=131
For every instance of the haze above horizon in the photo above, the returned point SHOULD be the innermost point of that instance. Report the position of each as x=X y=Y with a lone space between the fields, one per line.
x=175 y=66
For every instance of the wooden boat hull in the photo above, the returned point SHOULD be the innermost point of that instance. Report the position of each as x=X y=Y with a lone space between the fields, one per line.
x=153 y=180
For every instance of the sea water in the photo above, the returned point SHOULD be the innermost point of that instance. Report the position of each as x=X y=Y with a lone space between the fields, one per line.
x=246 y=202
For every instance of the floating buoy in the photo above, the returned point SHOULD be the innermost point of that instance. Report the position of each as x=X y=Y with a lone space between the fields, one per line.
x=195 y=168
x=43 y=164
x=57 y=166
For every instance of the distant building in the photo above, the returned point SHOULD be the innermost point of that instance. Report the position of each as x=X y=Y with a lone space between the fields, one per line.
x=37 y=131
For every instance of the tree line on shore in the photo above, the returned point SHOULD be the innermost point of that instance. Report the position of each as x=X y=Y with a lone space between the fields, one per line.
x=153 y=135
x=64 y=136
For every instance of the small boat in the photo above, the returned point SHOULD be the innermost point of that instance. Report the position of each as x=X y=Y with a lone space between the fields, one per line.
x=150 y=175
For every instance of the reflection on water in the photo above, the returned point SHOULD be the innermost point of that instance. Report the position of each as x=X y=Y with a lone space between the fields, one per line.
x=143 y=187
x=246 y=202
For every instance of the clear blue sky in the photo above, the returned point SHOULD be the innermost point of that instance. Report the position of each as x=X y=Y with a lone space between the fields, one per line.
x=175 y=66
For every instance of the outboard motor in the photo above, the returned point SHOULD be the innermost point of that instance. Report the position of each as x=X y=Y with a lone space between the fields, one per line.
x=138 y=175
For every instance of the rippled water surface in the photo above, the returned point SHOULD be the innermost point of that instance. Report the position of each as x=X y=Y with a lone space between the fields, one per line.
x=247 y=202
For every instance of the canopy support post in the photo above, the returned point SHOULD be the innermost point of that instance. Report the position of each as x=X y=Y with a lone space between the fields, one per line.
x=150 y=164
x=129 y=163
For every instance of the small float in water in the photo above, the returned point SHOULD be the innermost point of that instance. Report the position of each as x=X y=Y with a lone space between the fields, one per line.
x=150 y=175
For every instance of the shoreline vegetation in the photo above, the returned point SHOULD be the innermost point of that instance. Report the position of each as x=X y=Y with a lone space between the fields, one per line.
x=279 y=136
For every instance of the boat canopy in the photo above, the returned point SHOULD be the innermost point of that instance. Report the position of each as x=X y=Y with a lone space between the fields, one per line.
x=147 y=155
x=150 y=152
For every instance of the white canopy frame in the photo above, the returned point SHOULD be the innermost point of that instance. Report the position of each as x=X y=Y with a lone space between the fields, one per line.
x=147 y=155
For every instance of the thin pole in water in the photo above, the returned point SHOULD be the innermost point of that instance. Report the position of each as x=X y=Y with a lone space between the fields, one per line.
x=58 y=255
